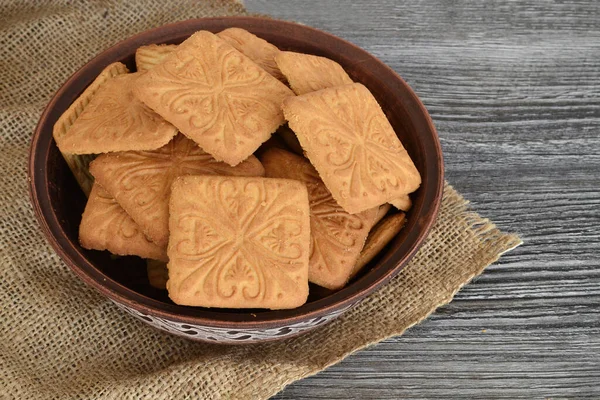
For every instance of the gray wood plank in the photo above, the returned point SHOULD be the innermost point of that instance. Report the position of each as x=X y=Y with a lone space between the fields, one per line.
x=514 y=90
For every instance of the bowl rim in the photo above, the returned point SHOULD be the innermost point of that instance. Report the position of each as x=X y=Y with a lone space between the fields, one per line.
x=344 y=298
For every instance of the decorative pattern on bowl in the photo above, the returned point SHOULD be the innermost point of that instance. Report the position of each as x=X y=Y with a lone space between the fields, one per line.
x=224 y=335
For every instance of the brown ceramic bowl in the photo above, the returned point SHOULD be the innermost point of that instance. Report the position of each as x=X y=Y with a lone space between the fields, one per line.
x=59 y=202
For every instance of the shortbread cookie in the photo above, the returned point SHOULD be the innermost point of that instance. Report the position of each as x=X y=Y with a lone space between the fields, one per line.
x=336 y=236
x=379 y=237
x=258 y=50
x=79 y=164
x=106 y=226
x=158 y=275
x=348 y=139
x=307 y=73
x=146 y=57
x=216 y=96
x=403 y=203
x=141 y=181
x=238 y=242
x=114 y=120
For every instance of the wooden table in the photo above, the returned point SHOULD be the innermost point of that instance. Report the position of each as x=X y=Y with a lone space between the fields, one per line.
x=514 y=90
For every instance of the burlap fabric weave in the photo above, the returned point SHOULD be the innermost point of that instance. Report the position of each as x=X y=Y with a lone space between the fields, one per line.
x=61 y=339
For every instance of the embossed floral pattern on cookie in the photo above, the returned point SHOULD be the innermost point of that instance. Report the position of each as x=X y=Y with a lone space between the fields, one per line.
x=141 y=181
x=106 y=226
x=336 y=236
x=216 y=96
x=238 y=242
x=308 y=73
x=351 y=143
x=114 y=120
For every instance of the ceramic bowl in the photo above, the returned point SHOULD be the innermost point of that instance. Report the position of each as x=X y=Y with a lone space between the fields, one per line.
x=59 y=203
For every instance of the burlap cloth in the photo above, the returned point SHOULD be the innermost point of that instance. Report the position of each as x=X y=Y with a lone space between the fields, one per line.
x=61 y=339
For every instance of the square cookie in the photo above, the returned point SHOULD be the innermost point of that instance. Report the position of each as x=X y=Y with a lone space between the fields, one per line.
x=79 y=164
x=216 y=96
x=349 y=140
x=336 y=236
x=114 y=120
x=238 y=242
x=141 y=180
x=307 y=73
x=106 y=226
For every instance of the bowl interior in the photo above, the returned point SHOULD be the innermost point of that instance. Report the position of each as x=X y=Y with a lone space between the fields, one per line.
x=59 y=202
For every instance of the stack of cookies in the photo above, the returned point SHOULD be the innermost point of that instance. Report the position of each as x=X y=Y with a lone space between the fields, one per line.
x=182 y=167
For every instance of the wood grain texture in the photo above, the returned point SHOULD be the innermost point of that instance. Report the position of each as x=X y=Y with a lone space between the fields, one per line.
x=514 y=90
